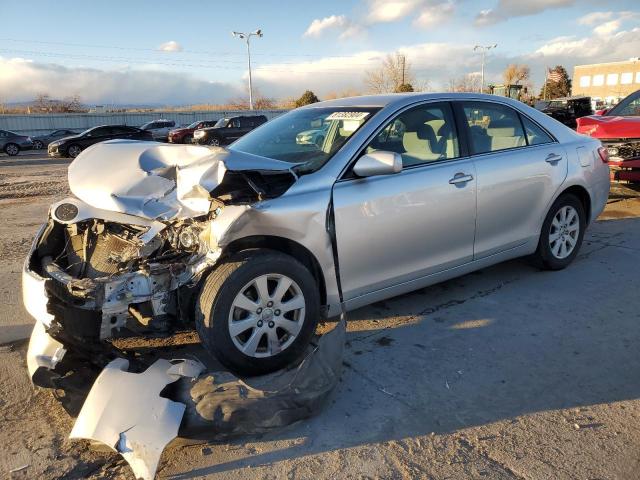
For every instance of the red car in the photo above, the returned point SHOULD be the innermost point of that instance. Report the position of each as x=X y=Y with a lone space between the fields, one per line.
x=185 y=134
x=619 y=130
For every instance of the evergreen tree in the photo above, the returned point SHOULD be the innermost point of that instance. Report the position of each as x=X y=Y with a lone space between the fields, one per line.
x=307 y=98
x=556 y=87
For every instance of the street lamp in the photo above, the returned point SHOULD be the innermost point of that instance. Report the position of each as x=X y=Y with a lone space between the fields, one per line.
x=484 y=49
x=246 y=37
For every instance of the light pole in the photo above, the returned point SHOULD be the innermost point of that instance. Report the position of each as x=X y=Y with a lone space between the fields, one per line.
x=484 y=49
x=246 y=37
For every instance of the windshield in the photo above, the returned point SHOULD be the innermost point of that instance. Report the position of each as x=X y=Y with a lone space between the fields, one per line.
x=628 y=107
x=308 y=135
x=222 y=122
x=192 y=125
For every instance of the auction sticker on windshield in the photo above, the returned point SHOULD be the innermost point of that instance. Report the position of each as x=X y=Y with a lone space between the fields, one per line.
x=348 y=116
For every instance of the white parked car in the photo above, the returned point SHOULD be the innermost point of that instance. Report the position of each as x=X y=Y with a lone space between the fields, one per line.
x=159 y=129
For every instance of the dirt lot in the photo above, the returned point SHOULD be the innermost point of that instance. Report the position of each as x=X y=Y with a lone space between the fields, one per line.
x=507 y=373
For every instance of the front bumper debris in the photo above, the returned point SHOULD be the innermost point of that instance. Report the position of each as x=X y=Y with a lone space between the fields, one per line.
x=126 y=412
x=44 y=353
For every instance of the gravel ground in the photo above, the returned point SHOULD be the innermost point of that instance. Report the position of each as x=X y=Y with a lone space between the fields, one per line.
x=507 y=373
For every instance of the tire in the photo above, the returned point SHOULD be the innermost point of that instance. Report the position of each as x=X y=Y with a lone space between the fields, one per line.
x=187 y=139
x=38 y=145
x=249 y=349
x=11 y=149
x=214 y=142
x=560 y=240
x=74 y=150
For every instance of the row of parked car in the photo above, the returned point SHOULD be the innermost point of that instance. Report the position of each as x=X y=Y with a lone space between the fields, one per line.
x=69 y=143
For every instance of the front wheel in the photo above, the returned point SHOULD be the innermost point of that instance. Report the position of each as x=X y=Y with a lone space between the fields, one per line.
x=187 y=139
x=257 y=311
x=12 y=149
x=74 y=150
x=562 y=233
x=38 y=145
x=214 y=142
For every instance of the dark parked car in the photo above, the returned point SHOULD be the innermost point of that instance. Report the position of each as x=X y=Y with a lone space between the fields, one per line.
x=227 y=130
x=42 y=141
x=185 y=134
x=567 y=109
x=11 y=143
x=72 y=146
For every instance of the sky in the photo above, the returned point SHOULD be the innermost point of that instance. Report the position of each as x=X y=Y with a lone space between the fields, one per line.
x=177 y=53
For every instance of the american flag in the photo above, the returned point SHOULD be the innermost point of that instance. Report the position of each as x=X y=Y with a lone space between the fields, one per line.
x=554 y=75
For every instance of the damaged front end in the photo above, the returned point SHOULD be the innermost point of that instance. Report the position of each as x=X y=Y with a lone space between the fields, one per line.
x=124 y=256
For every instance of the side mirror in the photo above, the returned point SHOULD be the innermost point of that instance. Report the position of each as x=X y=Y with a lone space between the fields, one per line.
x=602 y=112
x=378 y=163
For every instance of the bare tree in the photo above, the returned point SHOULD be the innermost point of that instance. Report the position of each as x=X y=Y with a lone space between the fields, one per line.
x=42 y=102
x=394 y=71
x=465 y=83
x=514 y=74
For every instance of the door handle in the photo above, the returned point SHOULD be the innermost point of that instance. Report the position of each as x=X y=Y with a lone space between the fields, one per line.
x=553 y=158
x=460 y=178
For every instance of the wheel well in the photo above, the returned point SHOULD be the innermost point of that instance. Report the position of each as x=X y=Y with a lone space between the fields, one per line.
x=583 y=196
x=288 y=247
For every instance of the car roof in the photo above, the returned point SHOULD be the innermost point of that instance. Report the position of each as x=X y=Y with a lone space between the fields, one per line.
x=401 y=99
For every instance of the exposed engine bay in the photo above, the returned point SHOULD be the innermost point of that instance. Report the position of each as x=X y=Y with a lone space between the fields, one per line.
x=108 y=273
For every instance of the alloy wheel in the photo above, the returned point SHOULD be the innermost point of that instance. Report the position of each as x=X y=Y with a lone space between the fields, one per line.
x=74 y=151
x=564 y=232
x=12 y=149
x=214 y=142
x=266 y=315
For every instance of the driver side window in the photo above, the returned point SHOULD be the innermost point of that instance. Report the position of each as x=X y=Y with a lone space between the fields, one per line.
x=420 y=135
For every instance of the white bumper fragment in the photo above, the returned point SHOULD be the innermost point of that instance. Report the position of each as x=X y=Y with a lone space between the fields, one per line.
x=44 y=351
x=125 y=412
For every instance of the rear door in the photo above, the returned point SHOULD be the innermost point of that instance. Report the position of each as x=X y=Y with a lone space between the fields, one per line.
x=397 y=228
x=519 y=169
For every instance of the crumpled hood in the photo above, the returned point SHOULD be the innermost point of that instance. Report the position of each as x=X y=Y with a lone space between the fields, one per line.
x=154 y=180
x=602 y=126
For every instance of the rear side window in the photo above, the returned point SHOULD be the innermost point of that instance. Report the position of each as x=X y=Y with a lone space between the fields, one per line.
x=493 y=127
x=535 y=134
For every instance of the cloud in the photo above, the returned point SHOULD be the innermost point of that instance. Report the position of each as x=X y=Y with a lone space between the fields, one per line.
x=170 y=46
x=382 y=11
x=600 y=47
x=431 y=63
x=595 y=18
x=434 y=15
x=507 y=9
x=341 y=23
x=25 y=79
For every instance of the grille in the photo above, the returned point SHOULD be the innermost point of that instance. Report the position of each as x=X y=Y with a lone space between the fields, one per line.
x=624 y=150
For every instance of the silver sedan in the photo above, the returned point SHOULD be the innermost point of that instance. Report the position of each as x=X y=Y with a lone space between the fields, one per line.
x=273 y=233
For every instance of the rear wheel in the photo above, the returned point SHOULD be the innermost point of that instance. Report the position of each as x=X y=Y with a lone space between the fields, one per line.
x=74 y=150
x=11 y=149
x=37 y=145
x=258 y=311
x=562 y=233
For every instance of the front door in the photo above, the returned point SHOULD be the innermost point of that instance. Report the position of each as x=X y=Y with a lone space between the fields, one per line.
x=396 y=228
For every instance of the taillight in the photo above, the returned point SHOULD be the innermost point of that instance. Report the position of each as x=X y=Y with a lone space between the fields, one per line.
x=604 y=154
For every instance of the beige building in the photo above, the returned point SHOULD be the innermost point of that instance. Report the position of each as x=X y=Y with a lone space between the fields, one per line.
x=607 y=82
